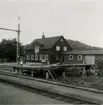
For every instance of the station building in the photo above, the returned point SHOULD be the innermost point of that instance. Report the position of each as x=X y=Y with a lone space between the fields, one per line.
x=57 y=49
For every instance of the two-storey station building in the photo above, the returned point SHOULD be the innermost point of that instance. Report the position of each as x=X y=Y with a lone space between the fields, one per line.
x=57 y=49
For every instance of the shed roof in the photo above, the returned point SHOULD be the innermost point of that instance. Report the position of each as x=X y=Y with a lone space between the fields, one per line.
x=89 y=52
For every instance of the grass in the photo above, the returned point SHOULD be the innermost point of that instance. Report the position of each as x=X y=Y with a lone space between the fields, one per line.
x=89 y=81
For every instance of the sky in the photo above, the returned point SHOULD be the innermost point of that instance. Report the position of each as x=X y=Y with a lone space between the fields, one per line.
x=80 y=20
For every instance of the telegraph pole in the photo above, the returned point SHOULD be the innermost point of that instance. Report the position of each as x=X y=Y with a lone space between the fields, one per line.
x=18 y=39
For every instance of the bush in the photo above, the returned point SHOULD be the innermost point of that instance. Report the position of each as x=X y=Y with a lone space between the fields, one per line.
x=74 y=72
x=99 y=64
x=88 y=73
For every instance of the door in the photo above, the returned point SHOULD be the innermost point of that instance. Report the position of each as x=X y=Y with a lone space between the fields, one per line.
x=89 y=59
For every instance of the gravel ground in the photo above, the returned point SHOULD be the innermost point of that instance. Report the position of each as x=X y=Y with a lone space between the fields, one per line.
x=12 y=95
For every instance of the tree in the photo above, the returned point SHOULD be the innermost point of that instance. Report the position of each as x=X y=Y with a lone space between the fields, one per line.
x=8 y=49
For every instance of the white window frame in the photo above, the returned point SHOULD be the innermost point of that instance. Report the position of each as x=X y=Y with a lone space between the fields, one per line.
x=28 y=57
x=57 y=48
x=32 y=57
x=46 y=57
x=65 y=48
x=79 y=57
x=70 y=57
x=36 y=49
x=41 y=57
x=36 y=57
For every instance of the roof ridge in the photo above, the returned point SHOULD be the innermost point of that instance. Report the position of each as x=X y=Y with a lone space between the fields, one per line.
x=48 y=42
x=48 y=37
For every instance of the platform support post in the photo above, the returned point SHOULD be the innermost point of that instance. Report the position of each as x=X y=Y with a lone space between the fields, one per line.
x=63 y=74
x=20 y=71
x=16 y=71
x=84 y=71
x=32 y=73
x=47 y=75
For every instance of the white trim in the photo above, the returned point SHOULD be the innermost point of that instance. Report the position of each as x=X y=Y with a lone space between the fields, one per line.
x=36 y=57
x=41 y=57
x=70 y=57
x=57 y=48
x=79 y=57
x=36 y=49
x=32 y=57
x=46 y=57
x=28 y=57
x=65 y=48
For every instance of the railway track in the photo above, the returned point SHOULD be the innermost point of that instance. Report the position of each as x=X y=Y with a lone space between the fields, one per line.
x=66 y=99
x=50 y=95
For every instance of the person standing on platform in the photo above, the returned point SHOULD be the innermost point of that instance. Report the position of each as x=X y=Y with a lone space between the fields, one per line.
x=21 y=63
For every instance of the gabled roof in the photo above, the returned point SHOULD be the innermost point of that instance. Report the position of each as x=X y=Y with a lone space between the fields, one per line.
x=47 y=42
x=89 y=52
x=29 y=47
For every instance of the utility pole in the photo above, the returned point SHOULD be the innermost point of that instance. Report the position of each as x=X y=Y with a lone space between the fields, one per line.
x=18 y=39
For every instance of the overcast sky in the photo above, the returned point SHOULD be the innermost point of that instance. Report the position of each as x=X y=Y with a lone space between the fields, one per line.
x=80 y=20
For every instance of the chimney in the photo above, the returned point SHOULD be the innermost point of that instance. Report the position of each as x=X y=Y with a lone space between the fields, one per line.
x=43 y=36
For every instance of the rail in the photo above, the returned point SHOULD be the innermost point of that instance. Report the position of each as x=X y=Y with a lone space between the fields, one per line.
x=39 y=80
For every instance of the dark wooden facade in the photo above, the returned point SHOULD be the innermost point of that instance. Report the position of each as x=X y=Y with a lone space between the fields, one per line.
x=48 y=50
x=56 y=49
x=82 y=57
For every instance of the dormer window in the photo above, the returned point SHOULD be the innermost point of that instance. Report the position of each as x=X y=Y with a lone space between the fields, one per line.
x=57 y=48
x=65 y=48
x=36 y=49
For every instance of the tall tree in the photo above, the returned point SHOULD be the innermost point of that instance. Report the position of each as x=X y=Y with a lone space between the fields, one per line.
x=8 y=49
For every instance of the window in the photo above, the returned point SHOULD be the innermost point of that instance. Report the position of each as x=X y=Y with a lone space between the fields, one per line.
x=36 y=49
x=32 y=57
x=41 y=57
x=28 y=57
x=46 y=57
x=79 y=57
x=36 y=57
x=57 y=48
x=65 y=48
x=70 y=57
